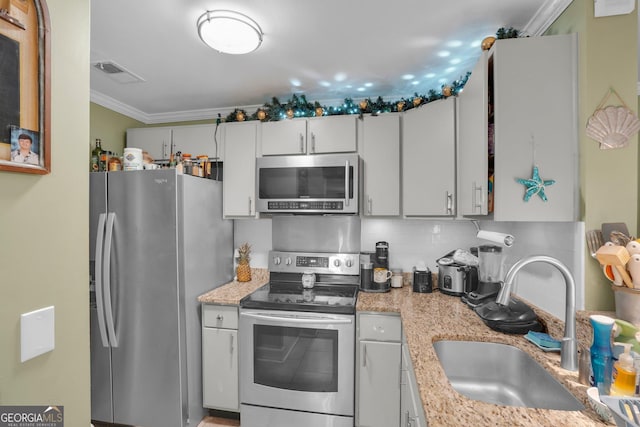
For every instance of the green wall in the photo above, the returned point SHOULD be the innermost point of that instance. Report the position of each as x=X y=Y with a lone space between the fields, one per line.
x=44 y=237
x=608 y=178
x=110 y=127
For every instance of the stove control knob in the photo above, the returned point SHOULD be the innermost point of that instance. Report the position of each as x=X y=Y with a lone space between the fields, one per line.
x=348 y=262
x=336 y=262
x=276 y=260
x=287 y=261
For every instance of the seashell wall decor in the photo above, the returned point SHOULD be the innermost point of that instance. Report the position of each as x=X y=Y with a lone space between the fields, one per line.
x=612 y=126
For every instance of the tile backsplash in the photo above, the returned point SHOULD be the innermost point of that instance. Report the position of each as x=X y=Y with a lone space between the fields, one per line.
x=412 y=241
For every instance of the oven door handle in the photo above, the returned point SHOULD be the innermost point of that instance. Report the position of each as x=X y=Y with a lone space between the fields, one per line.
x=296 y=318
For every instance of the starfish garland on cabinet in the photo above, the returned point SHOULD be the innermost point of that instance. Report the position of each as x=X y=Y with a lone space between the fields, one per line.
x=535 y=185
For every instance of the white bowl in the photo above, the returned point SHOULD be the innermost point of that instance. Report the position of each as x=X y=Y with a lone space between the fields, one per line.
x=601 y=409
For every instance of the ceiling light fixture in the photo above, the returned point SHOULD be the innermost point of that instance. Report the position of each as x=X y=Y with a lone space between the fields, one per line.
x=229 y=32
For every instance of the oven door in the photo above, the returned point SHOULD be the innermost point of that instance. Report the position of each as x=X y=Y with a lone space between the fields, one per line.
x=308 y=184
x=297 y=360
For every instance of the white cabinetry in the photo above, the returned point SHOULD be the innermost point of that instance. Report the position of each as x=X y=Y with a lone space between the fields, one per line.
x=411 y=408
x=378 y=357
x=525 y=88
x=193 y=139
x=380 y=153
x=284 y=137
x=239 y=183
x=473 y=173
x=333 y=134
x=428 y=159
x=197 y=140
x=154 y=140
x=220 y=357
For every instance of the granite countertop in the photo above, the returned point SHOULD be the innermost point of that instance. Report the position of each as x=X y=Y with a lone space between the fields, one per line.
x=429 y=317
x=231 y=293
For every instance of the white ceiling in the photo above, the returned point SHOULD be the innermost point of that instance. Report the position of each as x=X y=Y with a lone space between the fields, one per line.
x=327 y=50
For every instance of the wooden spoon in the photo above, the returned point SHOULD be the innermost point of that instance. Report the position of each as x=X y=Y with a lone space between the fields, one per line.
x=617 y=256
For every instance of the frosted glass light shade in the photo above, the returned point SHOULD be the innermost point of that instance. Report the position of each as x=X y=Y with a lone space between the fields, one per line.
x=229 y=32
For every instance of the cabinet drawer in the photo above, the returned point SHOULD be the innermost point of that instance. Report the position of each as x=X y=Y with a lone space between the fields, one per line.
x=220 y=316
x=380 y=327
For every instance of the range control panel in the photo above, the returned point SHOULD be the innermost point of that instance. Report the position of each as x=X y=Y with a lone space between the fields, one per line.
x=323 y=263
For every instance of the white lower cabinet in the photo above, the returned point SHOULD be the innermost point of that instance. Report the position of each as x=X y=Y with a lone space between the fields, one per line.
x=220 y=357
x=411 y=408
x=378 y=357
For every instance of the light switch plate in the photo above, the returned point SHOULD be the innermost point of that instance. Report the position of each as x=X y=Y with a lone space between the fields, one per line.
x=37 y=333
x=613 y=7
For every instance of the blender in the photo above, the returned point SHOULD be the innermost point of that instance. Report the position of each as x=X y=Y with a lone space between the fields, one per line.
x=490 y=261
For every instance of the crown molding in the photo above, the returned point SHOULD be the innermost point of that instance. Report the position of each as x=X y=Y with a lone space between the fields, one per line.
x=148 y=119
x=545 y=16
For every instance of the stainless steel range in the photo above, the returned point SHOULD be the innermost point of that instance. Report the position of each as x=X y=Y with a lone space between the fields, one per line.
x=297 y=342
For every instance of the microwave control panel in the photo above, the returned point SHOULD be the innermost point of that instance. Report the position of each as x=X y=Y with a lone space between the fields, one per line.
x=304 y=205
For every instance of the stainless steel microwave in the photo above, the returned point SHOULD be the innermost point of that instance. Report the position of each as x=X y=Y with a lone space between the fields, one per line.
x=317 y=184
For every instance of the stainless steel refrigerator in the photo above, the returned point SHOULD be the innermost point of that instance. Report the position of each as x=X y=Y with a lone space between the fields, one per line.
x=157 y=241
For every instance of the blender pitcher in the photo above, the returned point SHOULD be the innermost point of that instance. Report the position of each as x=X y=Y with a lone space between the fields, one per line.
x=490 y=263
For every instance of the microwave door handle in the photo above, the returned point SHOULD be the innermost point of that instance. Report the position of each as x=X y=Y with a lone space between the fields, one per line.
x=346 y=183
x=297 y=319
x=99 y=280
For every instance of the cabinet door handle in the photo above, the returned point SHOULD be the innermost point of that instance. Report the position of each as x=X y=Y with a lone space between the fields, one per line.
x=249 y=205
x=364 y=356
x=231 y=346
x=301 y=143
x=369 y=202
x=477 y=190
x=313 y=142
x=449 y=203
x=219 y=317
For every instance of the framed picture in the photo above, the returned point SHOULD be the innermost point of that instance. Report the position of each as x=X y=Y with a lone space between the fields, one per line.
x=25 y=87
x=26 y=149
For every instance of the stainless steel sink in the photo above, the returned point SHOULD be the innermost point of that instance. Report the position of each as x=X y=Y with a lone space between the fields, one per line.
x=502 y=374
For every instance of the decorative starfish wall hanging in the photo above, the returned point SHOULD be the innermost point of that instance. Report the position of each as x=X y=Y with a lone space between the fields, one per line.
x=535 y=185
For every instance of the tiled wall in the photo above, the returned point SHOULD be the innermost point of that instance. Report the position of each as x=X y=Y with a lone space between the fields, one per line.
x=418 y=240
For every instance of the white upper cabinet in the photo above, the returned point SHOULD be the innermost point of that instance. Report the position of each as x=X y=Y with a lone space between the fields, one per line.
x=154 y=140
x=331 y=134
x=473 y=174
x=239 y=183
x=193 y=139
x=284 y=137
x=526 y=118
x=428 y=159
x=380 y=153
x=198 y=140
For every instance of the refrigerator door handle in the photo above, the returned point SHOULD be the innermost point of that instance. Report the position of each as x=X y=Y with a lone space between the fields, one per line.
x=98 y=280
x=113 y=339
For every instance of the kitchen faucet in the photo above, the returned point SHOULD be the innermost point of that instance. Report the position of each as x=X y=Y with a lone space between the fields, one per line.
x=569 y=348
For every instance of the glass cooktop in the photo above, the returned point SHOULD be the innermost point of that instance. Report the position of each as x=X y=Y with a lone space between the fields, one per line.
x=328 y=298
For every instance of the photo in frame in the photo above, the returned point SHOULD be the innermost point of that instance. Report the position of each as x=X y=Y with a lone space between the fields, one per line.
x=25 y=146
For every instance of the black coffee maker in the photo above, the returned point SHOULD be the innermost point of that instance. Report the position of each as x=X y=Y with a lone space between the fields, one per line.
x=381 y=272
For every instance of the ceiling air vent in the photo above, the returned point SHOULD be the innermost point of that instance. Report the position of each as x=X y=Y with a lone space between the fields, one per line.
x=117 y=72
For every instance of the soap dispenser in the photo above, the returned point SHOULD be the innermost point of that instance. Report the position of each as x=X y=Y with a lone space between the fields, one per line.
x=601 y=354
x=624 y=374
